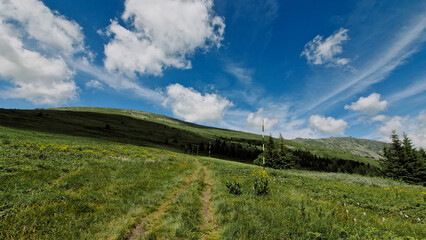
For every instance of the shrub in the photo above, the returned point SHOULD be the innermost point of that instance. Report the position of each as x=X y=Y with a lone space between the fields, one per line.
x=260 y=182
x=234 y=188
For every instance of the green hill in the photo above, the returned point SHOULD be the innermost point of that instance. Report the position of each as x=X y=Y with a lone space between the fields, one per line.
x=362 y=147
x=148 y=129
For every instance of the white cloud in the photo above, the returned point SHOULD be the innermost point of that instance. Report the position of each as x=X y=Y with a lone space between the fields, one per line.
x=418 y=135
x=254 y=120
x=193 y=106
x=163 y=33
x=370 y=105
x=319 y=51
x=94 y=84
x=327 y=125
x=414 y=127
x=34 y=46
x=379 y=118
x=396 y=123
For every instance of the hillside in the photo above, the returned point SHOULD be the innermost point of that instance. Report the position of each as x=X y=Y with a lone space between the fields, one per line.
x=148 y=129
x=361 y=147
x=57 y=186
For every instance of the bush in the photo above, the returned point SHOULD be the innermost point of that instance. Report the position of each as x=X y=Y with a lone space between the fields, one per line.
x=260 y=182
x=234 y=188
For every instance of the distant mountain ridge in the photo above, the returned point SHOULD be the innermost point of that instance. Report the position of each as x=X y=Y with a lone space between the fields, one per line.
x=357 y=146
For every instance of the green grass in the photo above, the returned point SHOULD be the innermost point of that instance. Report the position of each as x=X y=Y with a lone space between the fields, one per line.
x=311 y=205
x=182 y=219
x=80 y=190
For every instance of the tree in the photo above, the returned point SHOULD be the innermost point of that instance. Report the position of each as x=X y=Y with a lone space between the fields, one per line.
x=286 y=158
x=391 y=164
x=403 y=161
x=271 y=153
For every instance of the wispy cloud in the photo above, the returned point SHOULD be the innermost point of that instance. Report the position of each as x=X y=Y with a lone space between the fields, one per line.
x=408 y=42
x=412 y=90
x=243 y=75
x=120 y=83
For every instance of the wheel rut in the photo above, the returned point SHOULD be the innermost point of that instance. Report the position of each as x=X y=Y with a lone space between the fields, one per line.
x=139 y=232
x=209 y=227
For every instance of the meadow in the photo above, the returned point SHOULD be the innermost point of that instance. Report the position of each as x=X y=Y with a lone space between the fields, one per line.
x=57 y=186
x=60 y=187
x=315 y=205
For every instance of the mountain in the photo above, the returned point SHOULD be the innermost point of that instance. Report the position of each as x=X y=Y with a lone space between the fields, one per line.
x=357 y=146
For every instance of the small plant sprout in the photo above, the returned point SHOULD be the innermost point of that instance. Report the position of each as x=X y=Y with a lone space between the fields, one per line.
x=418 y=219
x=400 y=213
x=406 y=216
x=364 y=214
x=347 y=211
x=357 y=204
x=354 y=219
x=383 y=219
x=344 y=204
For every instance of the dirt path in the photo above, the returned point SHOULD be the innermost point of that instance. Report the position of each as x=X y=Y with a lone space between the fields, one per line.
x=139 y=232
x=209 y=227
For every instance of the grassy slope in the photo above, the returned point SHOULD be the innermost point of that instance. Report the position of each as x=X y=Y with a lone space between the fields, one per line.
x=312 y=205
x=136 y=127
x=62 y=187
x=361 y=147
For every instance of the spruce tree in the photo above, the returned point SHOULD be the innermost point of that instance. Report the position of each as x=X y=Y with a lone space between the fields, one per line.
x=271 y=154
x=286 y=160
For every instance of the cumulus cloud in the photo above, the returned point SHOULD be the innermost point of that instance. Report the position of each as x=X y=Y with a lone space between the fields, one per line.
x=254 y=120
x=34 y=45
x=161 y=34
x=94 y=84
x=327 y=125
x=319 y=51
x=414 y=127
x=193 y=106
x=370 y=105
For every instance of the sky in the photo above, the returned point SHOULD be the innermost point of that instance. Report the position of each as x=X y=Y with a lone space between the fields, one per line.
x=310 y=69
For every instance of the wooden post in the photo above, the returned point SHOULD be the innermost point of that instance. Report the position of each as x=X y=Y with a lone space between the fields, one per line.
x=263 y=141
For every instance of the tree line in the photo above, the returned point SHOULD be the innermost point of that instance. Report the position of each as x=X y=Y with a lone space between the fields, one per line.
x=241 y=149
x=279 y=156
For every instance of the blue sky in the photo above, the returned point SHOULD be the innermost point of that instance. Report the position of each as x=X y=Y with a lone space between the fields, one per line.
x=310 y=69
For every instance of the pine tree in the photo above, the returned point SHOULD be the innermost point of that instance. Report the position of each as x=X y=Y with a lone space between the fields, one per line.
x=286 y=159
x=271 y=154
x=391 y=164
